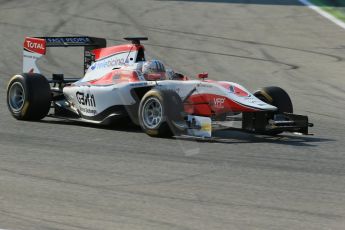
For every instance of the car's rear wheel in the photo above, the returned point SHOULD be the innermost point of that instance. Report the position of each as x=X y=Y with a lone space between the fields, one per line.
x=28 y=96
x=159 y=110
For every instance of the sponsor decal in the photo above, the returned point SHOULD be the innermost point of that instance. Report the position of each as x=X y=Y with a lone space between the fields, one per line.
x=140 y=84
x=35 y=45
x=219 y=102
x=93 y=66
x=206 y=126
x=68 y=40
x=205 y=85
x=86 y=99
x=251 y=99
x=30 y=56
x=108 y=63
x=89 y=111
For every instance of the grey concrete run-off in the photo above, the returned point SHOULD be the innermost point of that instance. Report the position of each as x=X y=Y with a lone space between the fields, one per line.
x=61 y=175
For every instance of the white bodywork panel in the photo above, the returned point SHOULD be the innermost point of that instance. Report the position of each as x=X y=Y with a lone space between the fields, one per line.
x=29 y=62
x=105 y=65
x=203 y=87
x=90 y=100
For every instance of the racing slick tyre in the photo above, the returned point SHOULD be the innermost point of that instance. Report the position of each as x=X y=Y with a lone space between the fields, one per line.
x=28 y=97
x=277 y=97
x=159 y=110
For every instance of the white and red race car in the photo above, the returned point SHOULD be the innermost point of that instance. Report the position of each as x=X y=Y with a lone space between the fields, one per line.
x=113 y=87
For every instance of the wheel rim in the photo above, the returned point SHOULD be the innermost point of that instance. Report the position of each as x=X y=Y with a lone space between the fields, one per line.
x=152 y=113
x=16 y=97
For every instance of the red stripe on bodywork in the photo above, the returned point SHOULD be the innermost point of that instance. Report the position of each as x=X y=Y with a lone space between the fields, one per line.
x=208 y=104
x=116 y=76
x=234 y=89
x=109 y=51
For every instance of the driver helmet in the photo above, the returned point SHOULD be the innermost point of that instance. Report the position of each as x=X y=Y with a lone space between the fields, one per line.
x=153 y=70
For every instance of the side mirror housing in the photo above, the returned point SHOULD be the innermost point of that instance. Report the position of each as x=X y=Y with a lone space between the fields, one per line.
x=203 y=75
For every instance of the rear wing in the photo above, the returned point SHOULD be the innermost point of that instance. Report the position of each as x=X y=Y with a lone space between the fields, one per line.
x=36 y=47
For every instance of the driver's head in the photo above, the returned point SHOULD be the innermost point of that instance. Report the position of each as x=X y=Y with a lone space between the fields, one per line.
x=153 y=70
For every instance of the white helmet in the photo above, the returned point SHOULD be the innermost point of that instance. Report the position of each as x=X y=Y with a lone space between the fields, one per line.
x=153 y=70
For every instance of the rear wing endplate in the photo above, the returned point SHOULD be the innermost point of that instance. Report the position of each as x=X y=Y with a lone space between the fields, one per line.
x=35 y=47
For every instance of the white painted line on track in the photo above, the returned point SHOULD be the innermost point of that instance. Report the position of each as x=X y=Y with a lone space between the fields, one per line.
x=323 y=13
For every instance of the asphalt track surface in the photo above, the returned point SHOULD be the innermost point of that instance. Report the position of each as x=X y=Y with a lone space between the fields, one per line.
x=62 y=175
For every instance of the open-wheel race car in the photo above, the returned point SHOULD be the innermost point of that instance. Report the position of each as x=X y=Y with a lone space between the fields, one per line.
x=120 y=83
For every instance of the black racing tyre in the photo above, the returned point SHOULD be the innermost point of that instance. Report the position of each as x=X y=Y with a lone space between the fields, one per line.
x=158 y=111
x=277 y=97
x=28 y=97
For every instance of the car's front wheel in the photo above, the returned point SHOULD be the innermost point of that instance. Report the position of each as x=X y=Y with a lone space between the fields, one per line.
x=259 y=122
x=158 y=112
x=277 y=97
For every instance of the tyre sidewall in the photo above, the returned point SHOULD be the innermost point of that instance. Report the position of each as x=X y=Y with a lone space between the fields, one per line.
x=277 y=97
x=162 y=126
x=20 y=114
x=171 y=111
x=37 y=96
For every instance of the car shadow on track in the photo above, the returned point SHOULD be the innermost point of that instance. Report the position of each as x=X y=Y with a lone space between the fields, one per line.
x=234 y=136
x=229 y=136
x=122 y=125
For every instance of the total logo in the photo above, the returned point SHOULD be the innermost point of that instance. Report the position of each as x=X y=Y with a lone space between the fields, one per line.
x=108 y=63
x=35 y=45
